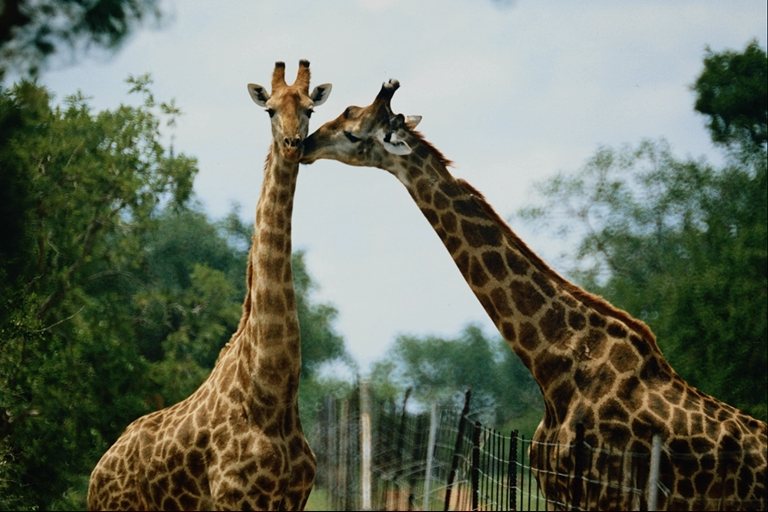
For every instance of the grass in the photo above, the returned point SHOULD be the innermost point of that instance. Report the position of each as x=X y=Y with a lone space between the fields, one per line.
x=318 y=500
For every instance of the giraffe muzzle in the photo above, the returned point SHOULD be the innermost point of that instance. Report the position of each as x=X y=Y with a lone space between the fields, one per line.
x=293 y=148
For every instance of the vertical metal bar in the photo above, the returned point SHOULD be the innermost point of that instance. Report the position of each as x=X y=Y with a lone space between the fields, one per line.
x=512 y=472
x=541 y=456
x=476 y=465
x=653 y=475
x=523 y=453
x=498 y=472
x=530 y=472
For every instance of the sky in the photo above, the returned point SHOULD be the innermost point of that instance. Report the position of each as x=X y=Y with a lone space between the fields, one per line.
x=513 y=92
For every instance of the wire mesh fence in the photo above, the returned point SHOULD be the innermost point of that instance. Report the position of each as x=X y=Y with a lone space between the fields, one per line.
x=375 y=455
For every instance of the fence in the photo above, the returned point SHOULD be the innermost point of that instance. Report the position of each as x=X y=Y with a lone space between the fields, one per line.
x=375 y=455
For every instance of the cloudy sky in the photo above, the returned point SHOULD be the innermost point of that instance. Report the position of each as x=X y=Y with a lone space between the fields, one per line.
x=513 y=92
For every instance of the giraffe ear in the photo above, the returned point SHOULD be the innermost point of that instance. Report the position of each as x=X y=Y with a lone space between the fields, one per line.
x=412 y=121
x=320 y=94
x=258 y=94
x=392 y=143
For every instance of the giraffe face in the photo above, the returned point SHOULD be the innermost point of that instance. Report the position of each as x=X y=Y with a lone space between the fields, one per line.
x=289 y=108
x=363 y=136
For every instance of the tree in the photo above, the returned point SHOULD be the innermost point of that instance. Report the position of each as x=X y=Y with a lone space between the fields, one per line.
x=81 y=182
x=682 y=246
x=440 y=370
x=33 y=31
x=731 y=92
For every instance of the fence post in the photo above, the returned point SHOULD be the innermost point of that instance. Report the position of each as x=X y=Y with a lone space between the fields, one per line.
x=476 y=466
x=430 y=454
x=578 y=467
x=365 y=446
x=343 y=449
x=331 y=446
x=457 y=449
x=512 y=472
x=653 y=476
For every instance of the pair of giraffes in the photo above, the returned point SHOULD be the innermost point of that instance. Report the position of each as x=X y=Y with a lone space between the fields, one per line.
x=237 y=442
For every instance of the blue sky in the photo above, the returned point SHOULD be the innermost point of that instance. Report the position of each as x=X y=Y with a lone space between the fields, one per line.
x=512 y=92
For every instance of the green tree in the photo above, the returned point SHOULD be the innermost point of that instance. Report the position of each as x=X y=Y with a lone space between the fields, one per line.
x=33 y=31
x=731 y=92
x=682 y=246
x=440 y=370
x=84 y=182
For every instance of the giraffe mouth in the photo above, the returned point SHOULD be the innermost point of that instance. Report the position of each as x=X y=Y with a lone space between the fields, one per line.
x=293 y=154
x=351 y=138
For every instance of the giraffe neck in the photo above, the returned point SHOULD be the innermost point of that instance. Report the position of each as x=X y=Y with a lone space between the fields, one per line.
x=269 y=329
x=550 y=323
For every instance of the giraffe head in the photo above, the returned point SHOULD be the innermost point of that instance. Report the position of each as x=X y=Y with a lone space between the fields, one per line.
x=289 y=108
x=363 y=136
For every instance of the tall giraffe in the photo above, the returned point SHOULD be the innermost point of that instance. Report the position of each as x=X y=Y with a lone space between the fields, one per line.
x=236 y=442
x=596 y=365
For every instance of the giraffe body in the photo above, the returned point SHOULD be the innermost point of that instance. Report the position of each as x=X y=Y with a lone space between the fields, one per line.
x=596 y=365
x=236 y=442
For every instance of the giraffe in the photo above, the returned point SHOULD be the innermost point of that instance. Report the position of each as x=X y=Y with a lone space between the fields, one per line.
x=598 y=368
x=236 y=442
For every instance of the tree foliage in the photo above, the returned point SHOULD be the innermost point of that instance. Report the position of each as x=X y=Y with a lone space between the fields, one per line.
x=731 y=92
x=117 y=292
x=681 y=244
x=33 y=31
x=440 y=370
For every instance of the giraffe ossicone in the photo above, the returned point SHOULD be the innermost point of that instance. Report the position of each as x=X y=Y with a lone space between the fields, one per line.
x=597 y=366
x=236 y=442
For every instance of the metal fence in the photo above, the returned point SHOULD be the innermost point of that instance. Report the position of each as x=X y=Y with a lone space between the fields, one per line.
x=375 y=455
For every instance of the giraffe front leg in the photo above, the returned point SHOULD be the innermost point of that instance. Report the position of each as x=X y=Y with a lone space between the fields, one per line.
x=303 y=464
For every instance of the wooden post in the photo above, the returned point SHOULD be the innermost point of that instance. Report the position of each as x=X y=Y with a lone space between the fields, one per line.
x=365 y=447
x=343 y=450
x=653 y=476
x=331 y=447
x=430 y=454
x=457 y=449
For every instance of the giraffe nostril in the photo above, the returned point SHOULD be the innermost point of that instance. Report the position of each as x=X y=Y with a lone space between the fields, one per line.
x=292 y=142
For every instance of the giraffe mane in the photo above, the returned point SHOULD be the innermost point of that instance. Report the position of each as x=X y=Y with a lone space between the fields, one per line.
x=595 y=301
x=444 y=161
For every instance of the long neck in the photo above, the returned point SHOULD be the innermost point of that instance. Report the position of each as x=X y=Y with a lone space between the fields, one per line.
x=549 y=322
x=271 y=342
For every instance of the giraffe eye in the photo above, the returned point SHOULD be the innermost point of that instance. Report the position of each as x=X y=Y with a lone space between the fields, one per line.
x=351 y=137
x=309 y=112
x=271 y=112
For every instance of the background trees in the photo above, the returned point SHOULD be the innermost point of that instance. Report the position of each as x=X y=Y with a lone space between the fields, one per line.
x=681 y=243
x=440 y=370
x=33 y=31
